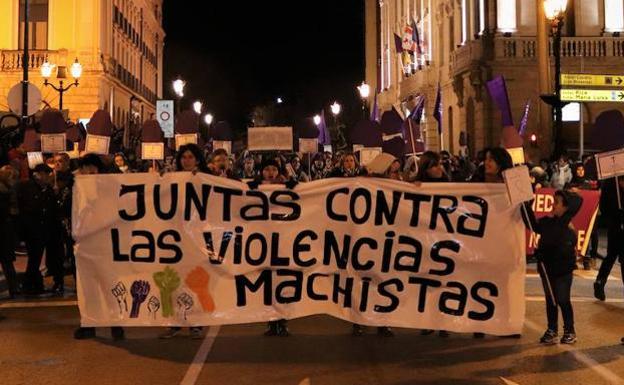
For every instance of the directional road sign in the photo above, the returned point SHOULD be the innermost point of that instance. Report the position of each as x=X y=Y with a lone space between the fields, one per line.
x=578 y=95
x=585 y=80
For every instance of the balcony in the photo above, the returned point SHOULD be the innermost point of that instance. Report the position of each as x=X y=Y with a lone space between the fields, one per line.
x=11 y=60
x=524 y=50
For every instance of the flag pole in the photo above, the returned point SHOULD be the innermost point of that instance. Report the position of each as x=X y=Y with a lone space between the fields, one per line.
x=409 y=123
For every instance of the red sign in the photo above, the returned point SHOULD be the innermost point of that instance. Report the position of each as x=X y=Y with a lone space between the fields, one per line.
x=583 y=222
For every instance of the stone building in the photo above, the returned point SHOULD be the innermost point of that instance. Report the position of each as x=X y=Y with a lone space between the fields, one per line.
x=465 y=43
x=118 y=42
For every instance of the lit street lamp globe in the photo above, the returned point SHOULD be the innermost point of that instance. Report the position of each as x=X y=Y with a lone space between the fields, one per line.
x=76 y=69
x=46 y=70
x=197 y=106
x=178 y=87
x=335 y=108
x=317 y=119
x=364 y=90
x=208 y=119
x=555 y=9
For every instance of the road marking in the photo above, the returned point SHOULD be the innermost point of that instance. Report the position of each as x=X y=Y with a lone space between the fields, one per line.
x=306 y=381
x=9 y=305
x=507 y=382
x=200 y=357
x=583 y=358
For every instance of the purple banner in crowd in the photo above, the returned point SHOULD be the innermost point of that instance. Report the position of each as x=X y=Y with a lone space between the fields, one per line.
x=498 y=92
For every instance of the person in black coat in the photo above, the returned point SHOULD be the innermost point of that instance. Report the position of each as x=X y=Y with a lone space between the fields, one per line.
x=556 y=253
x=7 y=229
x=39 y=221
x=613 y=217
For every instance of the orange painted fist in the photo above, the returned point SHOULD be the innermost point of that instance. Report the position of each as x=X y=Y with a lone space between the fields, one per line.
x=197 y=280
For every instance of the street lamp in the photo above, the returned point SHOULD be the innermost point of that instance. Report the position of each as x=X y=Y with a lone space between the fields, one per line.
x=197 y=106
x=208 y=119
x=364 y=90
x=280 y=101
x=335 y=108
x=317 y=119
x=61 y=73
x=178 y=87
x=555 y=13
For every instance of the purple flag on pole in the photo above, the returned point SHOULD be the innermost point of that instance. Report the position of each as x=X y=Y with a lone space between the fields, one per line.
x=411 y=127
x=437 y=109
x=324 y=138
x=525 y=118
x=498 y=92
x=375 y=115
x=398 y=43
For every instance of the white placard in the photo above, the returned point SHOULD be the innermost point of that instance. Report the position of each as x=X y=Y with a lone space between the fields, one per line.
x=53 y=143
x=224 y=144
x=34 y=158
x=610 y=164
x=328 y=148
x=367 y=154
x=152 y=151
x=357 y=147
x=97 y=144
x=308 y=146
x=164 y=115
x=269 y=138
x=182 y=139
x=517 y=155
x=518 y=184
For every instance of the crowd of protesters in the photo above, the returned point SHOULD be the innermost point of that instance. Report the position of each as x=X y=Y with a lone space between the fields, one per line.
x=35 y=208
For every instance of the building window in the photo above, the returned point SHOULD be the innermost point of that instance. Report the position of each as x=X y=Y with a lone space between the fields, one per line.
x=37 y=24
x=506 y=16
x=614 y=16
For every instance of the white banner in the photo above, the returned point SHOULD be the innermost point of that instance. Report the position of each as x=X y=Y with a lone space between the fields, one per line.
x=189 y=249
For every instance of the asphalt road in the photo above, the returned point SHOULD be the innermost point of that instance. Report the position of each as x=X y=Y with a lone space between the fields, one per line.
x=36 y=347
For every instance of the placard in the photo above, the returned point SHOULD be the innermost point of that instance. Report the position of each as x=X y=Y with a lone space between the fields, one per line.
x=269 y=138
x=34 y=158
x=517 y=155
x=224 y=144
x=152 y=151
x=518 y=182
x=328 y=148
x=53 y=143
x=610 y=164
x=97 y=144
x=357 y=147
x=367 y=154
x=164 y=115
x=308 y=146
x=182 y=139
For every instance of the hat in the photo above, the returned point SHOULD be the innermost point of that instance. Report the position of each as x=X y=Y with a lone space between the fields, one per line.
x=381 y=163
x=42 y=168
x=269 y=162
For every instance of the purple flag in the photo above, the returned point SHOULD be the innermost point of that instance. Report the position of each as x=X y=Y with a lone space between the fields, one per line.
x=398 y=43
x=525 y=118
x=498 y=92
x=375 y=115
x=324 y=138
x=437 y=109
x=411 y=127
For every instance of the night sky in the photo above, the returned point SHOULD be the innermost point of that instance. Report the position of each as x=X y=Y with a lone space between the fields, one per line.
x=235 y=55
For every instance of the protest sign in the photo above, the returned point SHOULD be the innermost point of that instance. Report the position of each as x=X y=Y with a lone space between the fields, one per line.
x=518 y=184
x=34 y=158
x=517 y=155
x=269 y=138
x=367 y=154
x=610 y=164
x=224 y=144
x=583 y=221
x=152 y=151
x=184 y=249
x=97 y=144
x=182 y=139
x=53 y=143
x=308 y=146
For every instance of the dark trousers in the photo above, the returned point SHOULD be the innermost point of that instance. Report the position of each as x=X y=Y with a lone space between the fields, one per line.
x=615 y=250
x=9 y=273
x=561 y=287
x=37 y=240
x=33 y=280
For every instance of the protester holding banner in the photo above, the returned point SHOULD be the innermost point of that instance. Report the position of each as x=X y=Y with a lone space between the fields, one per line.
x=190 y=158
x=248 y=170
x=557 y=255
x=121 y=163
x=299 y=174
x=318 y=169
x=496 y=161
x=610 y=208
x=92 y=164
x=562 y=174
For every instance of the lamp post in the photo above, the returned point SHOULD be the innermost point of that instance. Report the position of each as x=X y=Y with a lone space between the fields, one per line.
x=61 y=73
x=178 y=89
x=335 y=109
x=555 y=13
x=364 y=90
x=317 y=120
x=208 y=120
